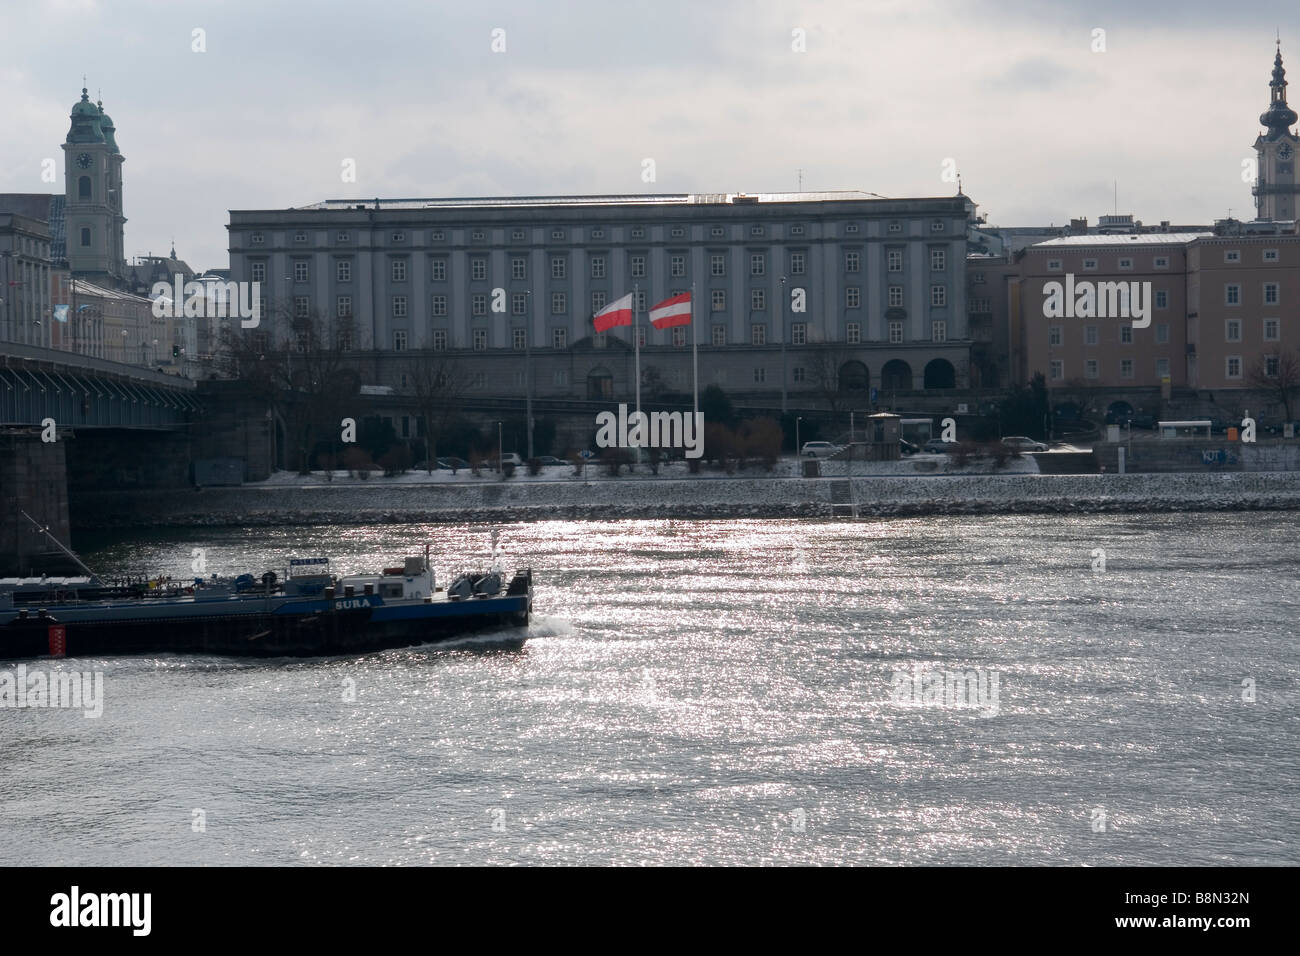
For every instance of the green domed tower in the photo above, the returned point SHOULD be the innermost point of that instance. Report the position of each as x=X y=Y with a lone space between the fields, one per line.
x=92 y=166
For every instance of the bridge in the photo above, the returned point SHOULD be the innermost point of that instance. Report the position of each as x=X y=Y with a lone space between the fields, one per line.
x=80 y=391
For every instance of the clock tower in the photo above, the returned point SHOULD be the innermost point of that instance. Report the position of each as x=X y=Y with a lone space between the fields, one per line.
x=93 y=196
x=1277 y=189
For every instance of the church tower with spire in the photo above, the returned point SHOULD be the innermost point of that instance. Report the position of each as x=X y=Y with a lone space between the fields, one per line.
x=95 y=224
x=1277 y=188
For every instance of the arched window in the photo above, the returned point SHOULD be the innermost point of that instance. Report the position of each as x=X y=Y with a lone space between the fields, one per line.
x=83 y=187
x=896 y=376
x=939 y=373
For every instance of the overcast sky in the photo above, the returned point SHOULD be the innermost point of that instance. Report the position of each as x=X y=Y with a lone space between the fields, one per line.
x=712 y=91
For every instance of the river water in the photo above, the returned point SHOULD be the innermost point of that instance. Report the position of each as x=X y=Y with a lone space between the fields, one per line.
x=720 y=692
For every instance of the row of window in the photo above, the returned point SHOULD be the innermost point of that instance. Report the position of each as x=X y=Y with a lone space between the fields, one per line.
x=258 y=237
x=1232 y=332
x=1162 y=262
x=1232 y=368
x=399 y=269
x=1271 y=293
x=439 y=338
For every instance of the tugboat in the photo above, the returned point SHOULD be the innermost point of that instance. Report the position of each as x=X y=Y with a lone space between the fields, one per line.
x=309 y=612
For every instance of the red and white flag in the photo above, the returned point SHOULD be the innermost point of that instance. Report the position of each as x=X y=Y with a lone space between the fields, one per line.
x=618 y=312
x=672 y=311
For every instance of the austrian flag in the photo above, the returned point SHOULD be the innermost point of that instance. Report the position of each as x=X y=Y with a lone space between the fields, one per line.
x=618 y=312
x=673 y=311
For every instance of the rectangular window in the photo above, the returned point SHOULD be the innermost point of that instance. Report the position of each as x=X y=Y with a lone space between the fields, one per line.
x=677 y=266
x=478 y=268
x=852 y=297
x=640 y=336
x=598 y=301
x=257 y=238
x=343 y=306
x=718 y=300
x=258 y=271
x=1270 y=293
x=399 y=306
x=518 y=267
x=717 y=265
x=559 y=267
x=679 y=335
x=1089 y=264
x=1125 y=368
x=519 y=339
x=1089 y=335
x=938 y=295
x=1090 y=368
x=1232 y=366
x=637 y=264
x=757 y=334
x=399 y=270
x=560 y=377
x=439 y=305
x=598 y=267
x=1232 y=295
x=1162 y=368
x=559 y=338
x=439 y=340
x=798 y=333
x=519 y=303
x=1162 y=262
x=939 y=331
x=1162 y=299
x=301 y=306
x=1126 y=264
x=1054 y=334
x=894 y=260
x=1271 y=365
x=719 y=336
x=1126 y=335
x=1271 y=330
x=1270 y=255
x=1232 y=330
x=300 y=236
x=559 y=303
x=937 y=225
x=1056 y=370
x=760 y=376
x=799 y=373
x=344 y=237
x=757 y=300
x=478 y=304
x=1162 y=333
x=895 y=296
x=301 y=270
x=343 y=270
x=796 y=263
x=1232 y=255
x=757 y=264
x=438 y=270
x=638 y=300
x=938 y=260
x=895 y=332
x=1053 y=265
x=480 y=340
x=399 y=341
x=853 y=333
x=478 y=380
x=852 y=261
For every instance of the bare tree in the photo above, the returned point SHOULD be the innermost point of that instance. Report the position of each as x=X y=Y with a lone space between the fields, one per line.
x=1282 y=383
x=302 y=365
x=824 y=372
x=435 y=384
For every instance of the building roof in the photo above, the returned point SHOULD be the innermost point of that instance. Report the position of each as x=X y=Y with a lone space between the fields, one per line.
x=1130 y=239
x=675 y=199
x=82 y=287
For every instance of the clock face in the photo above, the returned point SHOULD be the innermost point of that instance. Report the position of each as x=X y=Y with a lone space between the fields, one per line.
x=1285 y=151
x=84 y=160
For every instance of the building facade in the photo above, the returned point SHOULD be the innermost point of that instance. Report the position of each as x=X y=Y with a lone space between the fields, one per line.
x=794 y=293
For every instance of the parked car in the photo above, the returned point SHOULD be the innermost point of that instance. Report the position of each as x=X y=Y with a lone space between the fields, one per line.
x=818 y=449
x=937 y=446
x=907 y=447
x=511 y=458
x=1023 y=443
x=548 y=460
x=452 y=463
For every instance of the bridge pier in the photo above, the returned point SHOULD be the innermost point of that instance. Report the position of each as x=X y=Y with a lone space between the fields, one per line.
x=33 y=478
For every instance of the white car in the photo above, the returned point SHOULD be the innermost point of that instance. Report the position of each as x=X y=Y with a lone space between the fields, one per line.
x=818 y=449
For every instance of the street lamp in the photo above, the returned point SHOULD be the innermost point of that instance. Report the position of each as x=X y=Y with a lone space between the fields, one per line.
x=500 y=451
x=796 y=436
x=528 y=368
x=783 y=370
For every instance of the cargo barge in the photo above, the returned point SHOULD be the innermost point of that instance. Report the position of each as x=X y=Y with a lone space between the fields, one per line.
x=309 y=611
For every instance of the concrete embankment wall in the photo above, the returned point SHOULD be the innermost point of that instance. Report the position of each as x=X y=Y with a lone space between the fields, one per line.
x=375 y=502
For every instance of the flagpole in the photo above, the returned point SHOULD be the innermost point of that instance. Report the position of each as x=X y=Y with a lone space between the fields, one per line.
x=636 y=345
x=695 y=355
